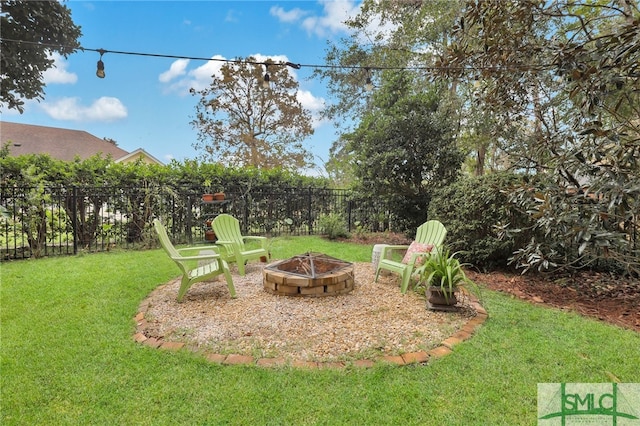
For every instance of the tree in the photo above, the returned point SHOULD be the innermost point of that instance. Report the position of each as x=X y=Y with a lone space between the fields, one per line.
x=241 y=123
x=385 y=35
x=565 y=77
x=31 y=31
x=404 y=35
x=404 y=148
x=339 y=167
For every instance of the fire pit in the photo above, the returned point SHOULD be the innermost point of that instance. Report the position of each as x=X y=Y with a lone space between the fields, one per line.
x=309 y=274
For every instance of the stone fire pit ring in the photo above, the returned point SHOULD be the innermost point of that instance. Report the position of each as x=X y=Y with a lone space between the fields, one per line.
x=310 y=275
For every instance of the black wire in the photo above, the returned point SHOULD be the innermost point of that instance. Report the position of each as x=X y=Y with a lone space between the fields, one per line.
x=290 y=64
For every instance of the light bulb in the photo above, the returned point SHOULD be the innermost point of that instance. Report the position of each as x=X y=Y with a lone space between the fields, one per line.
x=100 y=72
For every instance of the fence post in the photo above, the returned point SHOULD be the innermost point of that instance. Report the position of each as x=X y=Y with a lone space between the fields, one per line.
x=349 y=215
x=74 y=220
x=245 y=208
x=189 y=220
x=309 y=218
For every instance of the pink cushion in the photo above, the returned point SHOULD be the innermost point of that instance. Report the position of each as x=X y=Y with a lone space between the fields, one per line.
x=417 y=248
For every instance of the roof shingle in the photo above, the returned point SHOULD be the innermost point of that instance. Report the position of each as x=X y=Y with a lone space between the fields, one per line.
x=61 y=144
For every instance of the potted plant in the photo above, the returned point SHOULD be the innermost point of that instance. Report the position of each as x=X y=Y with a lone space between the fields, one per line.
x=207 y=196
x=441 y=275
x=209 y=235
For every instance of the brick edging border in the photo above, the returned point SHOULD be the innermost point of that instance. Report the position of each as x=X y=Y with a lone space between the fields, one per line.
x=421 y=357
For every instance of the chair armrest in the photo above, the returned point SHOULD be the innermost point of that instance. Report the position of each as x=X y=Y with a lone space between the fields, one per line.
x=390 y=248
x=199 y=248
x=229 y=247
x=262 y=240
x=198 y=257
x=414 y=256
x=254 y=237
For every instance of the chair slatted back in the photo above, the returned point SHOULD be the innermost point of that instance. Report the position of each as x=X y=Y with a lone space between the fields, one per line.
x=431 y=232
x=227 y=228
x=165 y=241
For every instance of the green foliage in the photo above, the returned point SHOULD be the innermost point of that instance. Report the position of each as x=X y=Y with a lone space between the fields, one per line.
x=443 y=270
x=577 y=230
x=569 y=117
x=550 y=89
x=475 y=211
x=100 y=171
x=333 y=226
x=34 y=210
x=141 y=190
x=33 y=22
x=403 y=148
x=402 y=30
x=339 y=167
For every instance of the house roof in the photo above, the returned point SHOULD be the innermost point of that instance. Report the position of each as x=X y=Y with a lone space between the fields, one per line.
x=139 y=154
x=61 y=144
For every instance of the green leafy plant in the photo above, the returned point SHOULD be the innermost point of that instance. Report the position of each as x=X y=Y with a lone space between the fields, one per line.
x=333 y=225
x=445 y=272
x=477 y=210
x=361 y=229
x=206 y=184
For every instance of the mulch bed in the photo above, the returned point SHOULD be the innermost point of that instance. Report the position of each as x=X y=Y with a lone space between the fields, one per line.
x=615 y=300
x=612 y=299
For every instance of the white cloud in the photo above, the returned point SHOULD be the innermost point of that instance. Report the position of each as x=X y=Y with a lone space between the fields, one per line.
x=259 y=57
x=197 y=78
x=314 y=105
x=104 y=109
x=177 y=69
x=58 y=73
x=200 y=77
x=291 y=16
x=330 y=22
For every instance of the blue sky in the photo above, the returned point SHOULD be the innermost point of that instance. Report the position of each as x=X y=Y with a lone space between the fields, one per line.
x=144 y=102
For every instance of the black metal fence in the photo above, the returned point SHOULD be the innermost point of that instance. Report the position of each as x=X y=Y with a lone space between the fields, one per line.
x=51 y=221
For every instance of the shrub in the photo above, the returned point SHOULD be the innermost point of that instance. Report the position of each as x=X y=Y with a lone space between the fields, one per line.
x=333 y=226
x=475 y=210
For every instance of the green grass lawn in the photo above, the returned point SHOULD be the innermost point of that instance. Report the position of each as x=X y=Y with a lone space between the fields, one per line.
x=68 y=357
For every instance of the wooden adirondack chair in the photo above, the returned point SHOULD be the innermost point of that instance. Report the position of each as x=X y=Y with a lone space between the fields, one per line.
x=227 y=229
x=431 y=232
x=210 y=265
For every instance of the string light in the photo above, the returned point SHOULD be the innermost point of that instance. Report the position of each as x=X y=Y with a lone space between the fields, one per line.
x=368 y=68
x=368 y=86
x=265 y=81
x=100 y=72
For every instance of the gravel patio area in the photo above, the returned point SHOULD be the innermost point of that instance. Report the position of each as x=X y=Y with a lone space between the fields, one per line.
x=374 y=320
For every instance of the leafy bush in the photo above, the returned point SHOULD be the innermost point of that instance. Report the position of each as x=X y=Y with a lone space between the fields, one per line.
x=475 y=211
x=404 y=148
x=333 y=226
x=584 y=228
